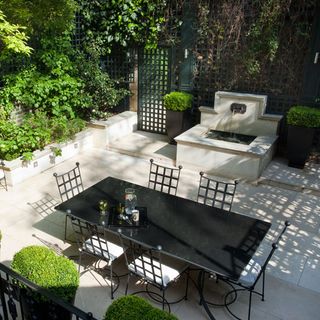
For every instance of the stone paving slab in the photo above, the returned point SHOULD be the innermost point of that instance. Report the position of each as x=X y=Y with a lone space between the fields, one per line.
x=292 y=277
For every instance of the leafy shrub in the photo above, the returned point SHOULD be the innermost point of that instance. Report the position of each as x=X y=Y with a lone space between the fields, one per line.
x=36 y=131
x=57 y=93
x=178 y=101
x=303 y=116
x=42 y=266
x=135 y=308
x=106 y=93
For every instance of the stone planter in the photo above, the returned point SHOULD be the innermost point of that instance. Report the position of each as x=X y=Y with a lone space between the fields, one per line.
x=18 y=170
x=99 y=134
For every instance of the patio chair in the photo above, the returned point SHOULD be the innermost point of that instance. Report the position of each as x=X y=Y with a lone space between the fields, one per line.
x=69 y=184
x=3 y=179
x=164 y=179
x=93 y=242
x=216 y=193
x=151 y=266
x=250 y=276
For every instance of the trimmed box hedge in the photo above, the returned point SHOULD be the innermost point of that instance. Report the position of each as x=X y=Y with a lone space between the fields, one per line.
x=135 y=308
x=45 y=268
x=303 y=116
x=178 y=101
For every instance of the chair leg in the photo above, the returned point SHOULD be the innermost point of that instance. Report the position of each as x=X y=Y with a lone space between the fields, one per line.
x=249 y=311
x=79 y=262
x=187 y=285
x=65 y=228
x=163 y=299
x=263 y=281
x=111 y=282
x=127 y=285
x=201 y=284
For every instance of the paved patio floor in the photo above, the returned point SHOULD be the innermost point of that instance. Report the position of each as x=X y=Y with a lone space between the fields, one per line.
x=27 y=217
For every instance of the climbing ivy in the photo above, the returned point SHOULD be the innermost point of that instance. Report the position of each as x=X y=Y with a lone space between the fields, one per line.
x=122 y=23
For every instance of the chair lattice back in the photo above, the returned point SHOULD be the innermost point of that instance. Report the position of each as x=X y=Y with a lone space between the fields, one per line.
x=216 y=193
x=89 y=239
x=273 y=249
x=164 y=179
x=3 y=179
x=69 y=183
x=146 y=263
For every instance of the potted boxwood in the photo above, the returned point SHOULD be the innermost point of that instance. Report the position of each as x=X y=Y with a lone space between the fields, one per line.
x=176 y=104
x=58 y=274
x=302 y=121
x=135 y=308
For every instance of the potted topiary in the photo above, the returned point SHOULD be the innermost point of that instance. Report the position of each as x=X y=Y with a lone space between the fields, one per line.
x=177 y=104
x=302 y=121
x=56 y=273
x=133 y=308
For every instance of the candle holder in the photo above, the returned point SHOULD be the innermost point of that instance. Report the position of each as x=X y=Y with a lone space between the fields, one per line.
x=103 y=206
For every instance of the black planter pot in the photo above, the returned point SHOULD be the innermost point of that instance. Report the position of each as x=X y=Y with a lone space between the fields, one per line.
x=299 y=144
x=176 y=123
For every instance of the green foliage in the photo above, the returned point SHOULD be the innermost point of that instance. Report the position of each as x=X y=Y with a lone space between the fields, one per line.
x=12 y=38
x=122 y=23
x=303 y=116
x=36 y=131
x=42 y=18
x=263 y=36
x=48 y=270
x=106 y=93
x=157 y=314
x=178 y=101
x=56 y=92
x=135 y=308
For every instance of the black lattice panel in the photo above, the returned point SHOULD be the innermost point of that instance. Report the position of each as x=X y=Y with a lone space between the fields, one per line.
x=154 y=79
x=120 y=64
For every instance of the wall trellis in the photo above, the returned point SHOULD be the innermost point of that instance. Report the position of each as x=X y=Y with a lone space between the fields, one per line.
x=153 y=84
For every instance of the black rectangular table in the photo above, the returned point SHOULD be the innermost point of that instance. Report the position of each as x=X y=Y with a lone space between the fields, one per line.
x=212 y=239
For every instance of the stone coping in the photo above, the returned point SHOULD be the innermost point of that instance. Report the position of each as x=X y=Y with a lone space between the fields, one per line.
x=196 y=136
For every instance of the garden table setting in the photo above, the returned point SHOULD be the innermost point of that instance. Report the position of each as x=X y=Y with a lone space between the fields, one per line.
x=207 y=238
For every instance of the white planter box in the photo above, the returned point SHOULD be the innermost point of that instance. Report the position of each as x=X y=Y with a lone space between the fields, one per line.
x=113 y=128
x=18 y=170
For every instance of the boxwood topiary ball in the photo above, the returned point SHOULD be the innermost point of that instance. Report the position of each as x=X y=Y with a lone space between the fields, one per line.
x=128 y=308
x=157 y=314
x=43 y=267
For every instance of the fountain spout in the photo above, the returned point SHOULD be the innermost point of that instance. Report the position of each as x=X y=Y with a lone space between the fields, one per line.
x=238 y=108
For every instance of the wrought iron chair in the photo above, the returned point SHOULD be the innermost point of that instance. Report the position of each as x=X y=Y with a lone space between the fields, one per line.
x=154 y=269
x=250 y=276
x=92 y=241
x=3 y=179
x=164 y=179
x=216 y=193
x=69 y=184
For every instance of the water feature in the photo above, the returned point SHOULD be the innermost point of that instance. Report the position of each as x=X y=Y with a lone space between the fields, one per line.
x=235 y=138
x=230 y=136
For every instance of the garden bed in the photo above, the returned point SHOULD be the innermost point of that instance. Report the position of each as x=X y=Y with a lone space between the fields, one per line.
x=19 y=170
x=98 y=134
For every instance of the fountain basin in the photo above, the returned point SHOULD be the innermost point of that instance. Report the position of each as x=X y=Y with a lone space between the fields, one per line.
x=199 y=149
x=230 y=136
x=229 y=159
